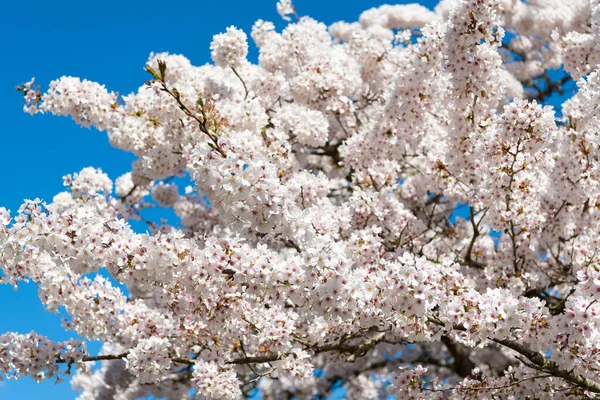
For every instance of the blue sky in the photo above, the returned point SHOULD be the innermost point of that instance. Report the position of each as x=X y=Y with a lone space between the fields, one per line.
x=108 y=42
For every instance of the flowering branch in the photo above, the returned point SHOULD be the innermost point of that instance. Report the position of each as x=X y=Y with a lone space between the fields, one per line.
x=174 y=93
x=317 y=229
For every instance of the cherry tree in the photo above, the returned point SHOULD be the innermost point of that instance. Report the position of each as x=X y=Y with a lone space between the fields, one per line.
x=314 y=245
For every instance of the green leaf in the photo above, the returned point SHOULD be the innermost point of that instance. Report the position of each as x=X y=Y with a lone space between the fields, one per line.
x=162 y=67
x=152 y=72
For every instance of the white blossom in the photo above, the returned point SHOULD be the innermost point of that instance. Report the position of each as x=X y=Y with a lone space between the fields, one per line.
x=229 y=49
x=150 y=359
x=385 y=200
x=214 y=382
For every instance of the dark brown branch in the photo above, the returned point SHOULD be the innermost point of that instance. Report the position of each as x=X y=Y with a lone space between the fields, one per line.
x=538 y=361
x=543 y=364
x=128 y=193
x=330 y=150
x=94 y=358
x=476 y=232
x=354 y=351
x=462 y=365
x=490 y=388
x=551 y=87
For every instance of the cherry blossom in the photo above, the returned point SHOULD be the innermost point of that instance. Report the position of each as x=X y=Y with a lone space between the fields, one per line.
x=388 y=205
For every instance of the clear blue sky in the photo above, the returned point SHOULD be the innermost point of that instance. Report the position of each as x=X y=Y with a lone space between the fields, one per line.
x=108 y=42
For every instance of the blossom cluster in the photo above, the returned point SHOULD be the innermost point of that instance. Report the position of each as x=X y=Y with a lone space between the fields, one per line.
x=38 y=357
x=386 y=200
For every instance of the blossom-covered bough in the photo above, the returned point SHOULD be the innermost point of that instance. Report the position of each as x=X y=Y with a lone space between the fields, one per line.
x=314 y=248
